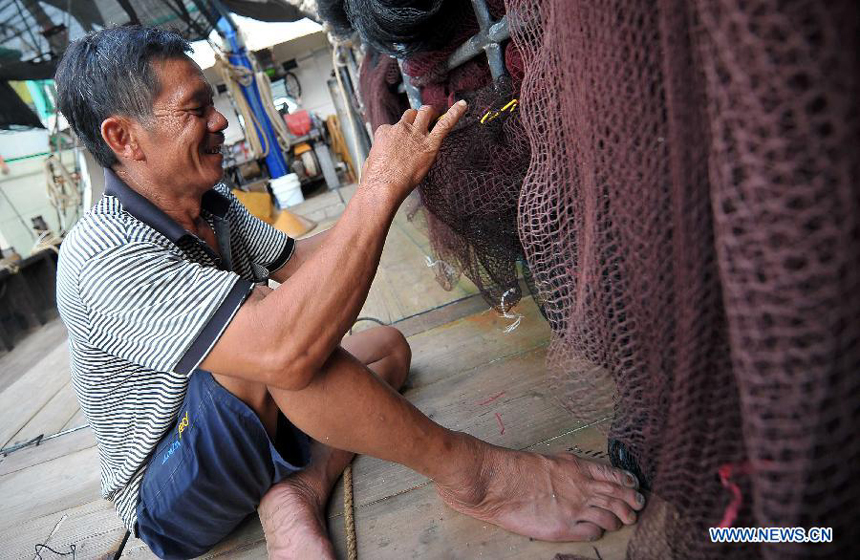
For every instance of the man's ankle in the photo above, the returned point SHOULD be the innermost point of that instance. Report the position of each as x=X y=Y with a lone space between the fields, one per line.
x=463 y=464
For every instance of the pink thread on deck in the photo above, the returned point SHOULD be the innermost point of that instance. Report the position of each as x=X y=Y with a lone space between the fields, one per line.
x=501 y=424
x=491 y=399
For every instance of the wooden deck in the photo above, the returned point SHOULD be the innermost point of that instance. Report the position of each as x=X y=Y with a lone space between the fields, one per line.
x=462 y=359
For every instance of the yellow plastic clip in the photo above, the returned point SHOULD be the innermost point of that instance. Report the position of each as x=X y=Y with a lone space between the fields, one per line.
x=488 y=116
x=509 y=106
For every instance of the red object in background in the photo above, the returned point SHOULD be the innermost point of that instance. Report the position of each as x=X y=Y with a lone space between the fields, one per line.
x=298 y=123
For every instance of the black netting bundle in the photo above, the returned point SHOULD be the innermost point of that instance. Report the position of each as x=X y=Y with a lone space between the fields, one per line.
x=469 y=199
x=333 y=12
x=398 y=27
x=422 y=32
x=471 y=196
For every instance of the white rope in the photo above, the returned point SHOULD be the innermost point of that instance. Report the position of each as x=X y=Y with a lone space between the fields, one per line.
x=337 y=64
x=447 y=269
x=236 y=76
x=264 y=86
x=516 y=316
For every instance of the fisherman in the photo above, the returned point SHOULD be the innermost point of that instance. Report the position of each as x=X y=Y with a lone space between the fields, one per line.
x=211 y=395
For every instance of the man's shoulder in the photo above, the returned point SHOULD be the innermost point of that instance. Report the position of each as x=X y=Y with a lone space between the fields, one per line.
x=222 y=189
x=234 y=205
x=107 y=226
x=106 y=229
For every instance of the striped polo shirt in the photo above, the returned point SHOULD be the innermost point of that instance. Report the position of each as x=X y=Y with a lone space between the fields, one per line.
x=144 y=301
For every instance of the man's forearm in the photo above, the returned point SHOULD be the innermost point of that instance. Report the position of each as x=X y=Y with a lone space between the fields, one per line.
x=305 y=248
x=284 y=339
x=328 y=285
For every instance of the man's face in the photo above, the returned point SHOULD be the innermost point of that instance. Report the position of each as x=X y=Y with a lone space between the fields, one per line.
x=183 y=141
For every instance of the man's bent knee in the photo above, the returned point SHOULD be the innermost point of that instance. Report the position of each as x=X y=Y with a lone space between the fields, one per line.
x=401 y=353
x=255 y=395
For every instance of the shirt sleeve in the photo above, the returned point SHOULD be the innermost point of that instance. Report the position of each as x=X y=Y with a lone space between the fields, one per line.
x=147 y=305
x=268 y=247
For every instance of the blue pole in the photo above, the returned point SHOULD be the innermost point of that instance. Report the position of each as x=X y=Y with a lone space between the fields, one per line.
x=275 y=160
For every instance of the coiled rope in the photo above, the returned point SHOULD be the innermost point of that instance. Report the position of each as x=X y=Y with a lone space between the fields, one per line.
x=236 y=77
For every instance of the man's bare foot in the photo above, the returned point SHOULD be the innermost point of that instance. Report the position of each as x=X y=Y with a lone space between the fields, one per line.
x=552 y=498
x=293 y=522
x=293 y=511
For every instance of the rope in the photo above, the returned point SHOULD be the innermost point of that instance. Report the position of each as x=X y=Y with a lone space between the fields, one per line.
x=62 y=188
x=338 y=144
x=236 y=77
x=71 y=551
x=349 y=514
x=505 y=313
x=38 y=439
x=348 y=509
x=447 y=269
x=347 y=106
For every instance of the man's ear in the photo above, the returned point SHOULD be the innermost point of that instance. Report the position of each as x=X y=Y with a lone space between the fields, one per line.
x=121 y=135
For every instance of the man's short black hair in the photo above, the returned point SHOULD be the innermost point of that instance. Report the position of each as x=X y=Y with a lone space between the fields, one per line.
x=109 y=73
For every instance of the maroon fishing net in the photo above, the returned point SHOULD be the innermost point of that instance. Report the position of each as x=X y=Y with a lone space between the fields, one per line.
x=471 y=220
x=682 y=179
x=378 y=79
x=471 y=195
x=690 y=215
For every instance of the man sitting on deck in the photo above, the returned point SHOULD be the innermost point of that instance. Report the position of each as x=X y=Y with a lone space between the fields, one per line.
x=211 y=395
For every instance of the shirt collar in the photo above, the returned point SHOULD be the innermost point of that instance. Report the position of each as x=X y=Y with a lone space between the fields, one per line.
x=141 y=208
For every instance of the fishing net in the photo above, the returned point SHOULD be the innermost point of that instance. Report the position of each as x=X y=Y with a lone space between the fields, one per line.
x=460 y=83
x=689 y=212
x=398 y=27
x=468 y=201
x=690 y=215
x=471 y=195
x=378 y=79
x=333 y=12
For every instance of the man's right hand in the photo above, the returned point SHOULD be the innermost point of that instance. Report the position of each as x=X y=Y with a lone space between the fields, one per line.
x=403 y=153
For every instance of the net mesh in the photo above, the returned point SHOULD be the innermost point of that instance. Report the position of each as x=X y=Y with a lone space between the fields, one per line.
x=471 y=196
x=378 y=78
x=681 y=177
x=471 y=221
x=399 y=27
x=690 y=217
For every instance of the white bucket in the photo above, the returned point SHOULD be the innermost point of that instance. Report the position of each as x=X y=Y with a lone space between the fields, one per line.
x=287 y=190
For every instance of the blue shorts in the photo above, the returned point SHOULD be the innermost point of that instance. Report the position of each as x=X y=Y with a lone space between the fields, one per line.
x=211 y=469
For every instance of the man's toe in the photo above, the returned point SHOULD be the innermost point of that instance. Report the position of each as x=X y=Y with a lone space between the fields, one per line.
x=599 y=471
x=603 y=518
x=610 y=490
x=585 y=531
x=620 y=508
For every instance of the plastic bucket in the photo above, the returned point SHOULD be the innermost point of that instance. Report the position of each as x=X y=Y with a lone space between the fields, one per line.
x=287 y=190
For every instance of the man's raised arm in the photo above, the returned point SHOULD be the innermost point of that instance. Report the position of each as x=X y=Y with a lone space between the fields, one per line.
x=304 y=250
x=284 y=339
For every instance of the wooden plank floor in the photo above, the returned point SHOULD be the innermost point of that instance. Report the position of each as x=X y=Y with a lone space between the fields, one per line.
x=462 y=358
